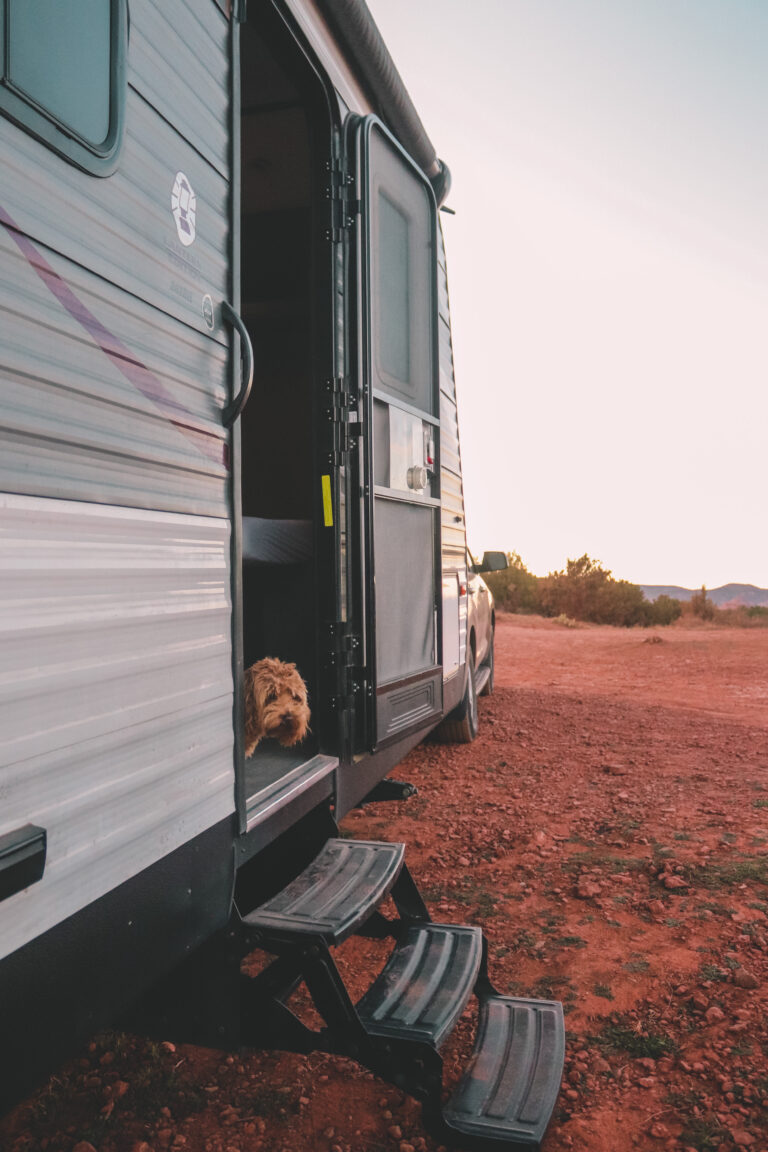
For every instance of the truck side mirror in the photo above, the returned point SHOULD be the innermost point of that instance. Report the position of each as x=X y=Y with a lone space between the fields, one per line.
x=494 y=562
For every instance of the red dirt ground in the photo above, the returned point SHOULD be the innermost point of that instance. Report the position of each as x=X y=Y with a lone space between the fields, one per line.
x=609 y=830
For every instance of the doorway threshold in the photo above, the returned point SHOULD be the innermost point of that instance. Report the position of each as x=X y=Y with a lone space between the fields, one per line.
x=277 y=776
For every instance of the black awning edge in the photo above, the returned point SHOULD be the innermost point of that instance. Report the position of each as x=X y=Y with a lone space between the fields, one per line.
x=354 y=25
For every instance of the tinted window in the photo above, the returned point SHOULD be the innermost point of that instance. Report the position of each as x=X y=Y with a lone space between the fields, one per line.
x=62 y=73
x=402 y=266
x=59 y=56
x=394 y=290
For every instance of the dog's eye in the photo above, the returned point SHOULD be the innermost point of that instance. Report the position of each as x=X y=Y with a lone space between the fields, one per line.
x=296 y=697
x=271 y=696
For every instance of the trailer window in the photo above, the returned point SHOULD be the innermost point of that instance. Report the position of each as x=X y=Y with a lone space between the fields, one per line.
x=62 y=66
x=402 y=260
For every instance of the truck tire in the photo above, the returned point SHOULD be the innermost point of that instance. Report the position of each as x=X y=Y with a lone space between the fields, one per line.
x=461 y=725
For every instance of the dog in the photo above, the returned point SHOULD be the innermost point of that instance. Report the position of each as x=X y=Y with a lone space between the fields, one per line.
x=275 y=704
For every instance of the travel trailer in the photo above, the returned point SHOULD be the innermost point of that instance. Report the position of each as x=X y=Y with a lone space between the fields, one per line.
x=228 y=430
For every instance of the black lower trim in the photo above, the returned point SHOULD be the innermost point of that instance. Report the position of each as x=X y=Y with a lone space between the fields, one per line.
x=73 y=980
x=355 y=780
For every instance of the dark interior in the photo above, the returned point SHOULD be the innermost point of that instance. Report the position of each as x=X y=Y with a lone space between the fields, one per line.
x=277 y=424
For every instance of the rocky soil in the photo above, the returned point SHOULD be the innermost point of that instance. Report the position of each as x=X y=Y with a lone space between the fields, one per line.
x=609 y=830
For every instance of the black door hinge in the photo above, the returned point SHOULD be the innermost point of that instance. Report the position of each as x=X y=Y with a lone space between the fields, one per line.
x=344 y=655
x=340 y=409
x=344 y=206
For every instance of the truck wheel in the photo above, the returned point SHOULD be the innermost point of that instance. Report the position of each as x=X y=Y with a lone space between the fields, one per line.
x=460 y=727
x=487 y=689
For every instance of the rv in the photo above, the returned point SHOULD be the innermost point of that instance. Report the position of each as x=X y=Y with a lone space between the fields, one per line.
x=228 y=430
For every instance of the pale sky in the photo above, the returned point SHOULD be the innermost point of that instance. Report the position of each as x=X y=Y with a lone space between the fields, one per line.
x=608 y=273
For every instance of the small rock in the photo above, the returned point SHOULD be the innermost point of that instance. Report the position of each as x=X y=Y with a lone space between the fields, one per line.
x=406 y=1147
x=714 y=1014
x=660 y=1132
x=742 y=1137
x=83 y=1146
x=647 y=1081
x=744 y=979
x=674 y=882
x=395 y=1131
x=586 y=889
x=142 y=1146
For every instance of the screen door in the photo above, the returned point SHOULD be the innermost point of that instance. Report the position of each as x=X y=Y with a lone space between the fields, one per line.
x=397 y=277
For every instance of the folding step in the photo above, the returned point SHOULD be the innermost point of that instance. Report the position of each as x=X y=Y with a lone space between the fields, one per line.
x=425 y=985
x=509 y=1090
x=333 y=896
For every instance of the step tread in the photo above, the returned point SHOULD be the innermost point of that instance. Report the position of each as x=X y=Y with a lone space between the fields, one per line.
x=512 y=1081
x=425 y=985
x=334 y=895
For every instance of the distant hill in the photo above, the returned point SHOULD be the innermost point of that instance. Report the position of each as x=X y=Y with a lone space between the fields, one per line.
x=729 y=594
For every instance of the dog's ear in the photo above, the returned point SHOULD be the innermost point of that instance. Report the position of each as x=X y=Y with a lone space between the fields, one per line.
x=248 y=678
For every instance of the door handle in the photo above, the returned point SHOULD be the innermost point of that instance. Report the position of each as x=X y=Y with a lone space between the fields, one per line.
x=236 y=405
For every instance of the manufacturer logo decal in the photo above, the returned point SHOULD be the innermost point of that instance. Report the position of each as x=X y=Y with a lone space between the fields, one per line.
x=184 y=208
x=208 y=312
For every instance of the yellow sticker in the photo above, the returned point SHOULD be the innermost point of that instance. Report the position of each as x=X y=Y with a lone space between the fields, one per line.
x=327 y=502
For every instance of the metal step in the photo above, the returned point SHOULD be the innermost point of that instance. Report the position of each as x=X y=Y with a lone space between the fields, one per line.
x=425 y=985
x=509 y=1090
x=333 y=896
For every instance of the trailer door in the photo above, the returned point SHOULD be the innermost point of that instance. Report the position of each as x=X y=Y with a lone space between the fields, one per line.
x=398 y=367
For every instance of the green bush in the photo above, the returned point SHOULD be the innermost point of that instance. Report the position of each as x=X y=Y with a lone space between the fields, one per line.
x=584 y=590
x=663 y=610
x=587 y=591
x=514 y=589
x=701 y=606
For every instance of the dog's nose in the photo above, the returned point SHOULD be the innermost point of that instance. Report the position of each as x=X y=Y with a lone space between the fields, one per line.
x=287 y=717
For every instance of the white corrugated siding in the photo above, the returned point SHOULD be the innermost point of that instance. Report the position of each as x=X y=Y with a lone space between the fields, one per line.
x=453 y=527
x=115 y=693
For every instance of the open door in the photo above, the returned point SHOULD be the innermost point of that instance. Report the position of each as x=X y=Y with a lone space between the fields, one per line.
x=398 y=365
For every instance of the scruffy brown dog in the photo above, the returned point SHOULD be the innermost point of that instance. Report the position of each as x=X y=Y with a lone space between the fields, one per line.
x=275 y=704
